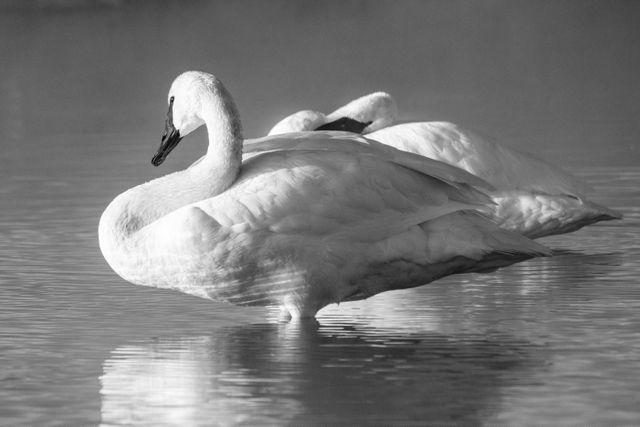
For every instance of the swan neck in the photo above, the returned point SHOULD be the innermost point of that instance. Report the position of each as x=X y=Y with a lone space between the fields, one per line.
x=146 y=203
x=224 y=131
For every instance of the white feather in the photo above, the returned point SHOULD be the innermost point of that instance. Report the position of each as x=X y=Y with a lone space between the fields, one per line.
x=531 y=196
x=303 y=221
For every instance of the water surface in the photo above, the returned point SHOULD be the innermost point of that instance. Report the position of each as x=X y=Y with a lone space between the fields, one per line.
x=552 y=340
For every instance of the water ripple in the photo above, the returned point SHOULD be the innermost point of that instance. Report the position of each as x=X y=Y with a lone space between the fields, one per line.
x=550 y=341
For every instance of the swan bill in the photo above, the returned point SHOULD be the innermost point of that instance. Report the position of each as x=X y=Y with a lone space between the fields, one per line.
x=169 y=142
x=170 y=138
x=346 y=124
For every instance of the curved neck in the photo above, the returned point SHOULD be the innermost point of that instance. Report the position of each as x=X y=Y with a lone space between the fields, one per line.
x=208 y=177
x=220 y=115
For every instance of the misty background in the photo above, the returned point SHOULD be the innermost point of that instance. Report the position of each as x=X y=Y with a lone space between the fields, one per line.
x=556 y=78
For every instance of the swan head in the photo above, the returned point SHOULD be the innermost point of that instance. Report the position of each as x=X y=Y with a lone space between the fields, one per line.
x=371 y=112
x=363 y=115
x=193 y=96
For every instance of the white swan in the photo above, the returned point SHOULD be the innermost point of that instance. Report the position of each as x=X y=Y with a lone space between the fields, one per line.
x=531 y=196
x=362 y=115
x=309 y=219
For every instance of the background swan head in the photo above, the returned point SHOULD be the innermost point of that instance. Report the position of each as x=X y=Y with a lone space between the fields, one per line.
x=196 y=98
x=378 y=109
x=362 y=115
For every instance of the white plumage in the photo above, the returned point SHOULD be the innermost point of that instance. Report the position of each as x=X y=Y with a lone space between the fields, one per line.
x=305 y=220
x=531 y=196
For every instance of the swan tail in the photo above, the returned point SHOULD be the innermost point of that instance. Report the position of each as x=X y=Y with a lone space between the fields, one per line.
x=602 y=213
x=473 y=235
x=539 y=215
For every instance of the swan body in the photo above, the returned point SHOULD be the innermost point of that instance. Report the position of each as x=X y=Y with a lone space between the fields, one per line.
x=362 y=115
x=531 y=196
x=306 y=220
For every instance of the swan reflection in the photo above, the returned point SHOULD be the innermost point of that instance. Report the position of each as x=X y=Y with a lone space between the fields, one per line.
x=302 y=373
x=181 y=382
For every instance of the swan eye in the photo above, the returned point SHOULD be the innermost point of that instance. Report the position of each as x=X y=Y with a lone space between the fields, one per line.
x=171 y=100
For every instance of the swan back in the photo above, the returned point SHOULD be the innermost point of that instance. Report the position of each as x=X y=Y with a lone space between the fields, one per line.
x=304 y=120
x=504 y=167
x=346 y=142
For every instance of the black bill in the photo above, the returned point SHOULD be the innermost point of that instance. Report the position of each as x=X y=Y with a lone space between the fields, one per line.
x=345 y=124
x=170 y=138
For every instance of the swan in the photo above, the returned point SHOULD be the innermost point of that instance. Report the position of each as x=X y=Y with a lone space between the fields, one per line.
x=362 y=115
x=305 y=220
x=531 y=197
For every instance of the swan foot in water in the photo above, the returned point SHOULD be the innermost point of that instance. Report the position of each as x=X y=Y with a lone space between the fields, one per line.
x=291 y=311
x=284 y=316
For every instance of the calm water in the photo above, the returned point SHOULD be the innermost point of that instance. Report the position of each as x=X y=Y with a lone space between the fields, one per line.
x=551 y=340
x=548 y=341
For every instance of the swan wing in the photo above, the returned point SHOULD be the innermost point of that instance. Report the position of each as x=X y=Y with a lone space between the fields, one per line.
x=504 y=167
x=345 y=142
